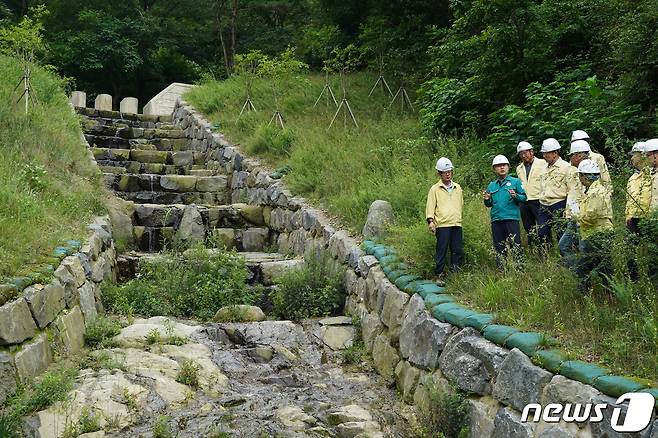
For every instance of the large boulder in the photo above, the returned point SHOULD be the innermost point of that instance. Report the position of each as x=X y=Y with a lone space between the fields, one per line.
x=45 y=302
x=71 y=328
x=380 y=217
x=191 y=229
x=239 y=313
x=7 y=376
x=33 y=358
x=519 y=382
x=508 y=425
x=385 y=357
x=16 y=322
x=471 y=361
x=422 y=338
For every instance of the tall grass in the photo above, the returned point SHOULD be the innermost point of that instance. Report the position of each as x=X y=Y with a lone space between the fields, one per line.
x=388 y=157
x=48 y=190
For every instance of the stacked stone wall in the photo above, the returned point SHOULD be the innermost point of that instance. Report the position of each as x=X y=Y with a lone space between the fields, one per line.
x=409 y=347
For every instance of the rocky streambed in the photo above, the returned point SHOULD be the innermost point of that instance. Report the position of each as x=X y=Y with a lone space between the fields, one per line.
x=259 y=379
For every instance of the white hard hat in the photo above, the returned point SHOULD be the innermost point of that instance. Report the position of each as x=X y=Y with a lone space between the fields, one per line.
x=443 y=164
x=579 y=135
x=638 y=147
x=579 y=146
x=500 y=159
x=550 y=145
x=523 y=146
x=588 y=166
x=651 y=145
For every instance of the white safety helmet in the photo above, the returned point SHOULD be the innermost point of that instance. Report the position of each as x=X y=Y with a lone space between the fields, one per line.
x=638 y=147
x=588 y=166
x=550 y=145
x=523 y=146
x=443 y=164
x=500 y=159
x=579 y=135
x=651 y=145
x=579 y=146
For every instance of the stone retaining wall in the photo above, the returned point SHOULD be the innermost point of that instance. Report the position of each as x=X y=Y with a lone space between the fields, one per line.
x=410 y=348
x=49 y=320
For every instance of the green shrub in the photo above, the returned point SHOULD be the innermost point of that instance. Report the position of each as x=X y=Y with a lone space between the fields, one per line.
x=446 y=415
x=309 y=292
x=101 y=330
x=196 y=284
x=271 y=139
x=189 y=374
x=161 y=428
x=51 y=387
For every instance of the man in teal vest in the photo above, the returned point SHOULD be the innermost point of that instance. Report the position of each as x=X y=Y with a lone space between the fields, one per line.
x=504 y=196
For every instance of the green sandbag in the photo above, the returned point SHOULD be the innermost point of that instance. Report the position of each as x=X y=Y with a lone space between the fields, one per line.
x=527 y=342
x=582 y=371
x=550 y=360
x=380 y=252
x=498 y=333
x=615 y=386
x=366 y=245
x=20 y=282
x=405 y=280
x=439 y=311
x=436 y=299
x=394 y=275
x=75 y=244
x=479 y=320
x=370 y=250
x=392 y=258
x=458 y=316
x=431 y=288
x=411 y=287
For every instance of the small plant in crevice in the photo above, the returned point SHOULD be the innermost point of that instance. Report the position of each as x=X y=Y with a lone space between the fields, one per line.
x=100 y=331
x=357 y=352
x=446 y=415
x=153 y=337
x=161 y=428
x=189 y=373
x=308 y=292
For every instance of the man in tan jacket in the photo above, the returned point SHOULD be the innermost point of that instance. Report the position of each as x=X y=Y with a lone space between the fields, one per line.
x=529 y=172
x=443 y=212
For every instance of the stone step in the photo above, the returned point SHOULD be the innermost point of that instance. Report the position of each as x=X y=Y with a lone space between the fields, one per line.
x=179 y=158
x=130 y=129
x=202 y=198
x=154 y=144
x=166 y=183
x=116 y=116
x=234 y=216
x=153 y=239
x=135 y=167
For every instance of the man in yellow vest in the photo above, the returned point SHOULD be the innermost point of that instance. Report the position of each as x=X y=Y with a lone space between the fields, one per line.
x=596 y=157
x=568 y=243
x=595 y=222
x=638 y=188
x=554 y=184
x=529 y=172
x=651 y=147
x=443 y=212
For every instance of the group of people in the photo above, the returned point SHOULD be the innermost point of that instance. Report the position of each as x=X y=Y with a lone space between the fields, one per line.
x=550 y=196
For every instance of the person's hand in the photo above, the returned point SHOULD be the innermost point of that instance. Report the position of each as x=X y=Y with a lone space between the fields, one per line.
x=432 y=227
x=512 y=193
x=486 y=195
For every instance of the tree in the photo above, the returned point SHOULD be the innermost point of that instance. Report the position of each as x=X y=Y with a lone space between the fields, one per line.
x=228 y=43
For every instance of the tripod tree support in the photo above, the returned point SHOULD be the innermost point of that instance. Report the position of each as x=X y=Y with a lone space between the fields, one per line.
x=330 y=94
x=277 y=118
x=404 y=99
x=381 y=80
x=248 y=106
x=345 y=107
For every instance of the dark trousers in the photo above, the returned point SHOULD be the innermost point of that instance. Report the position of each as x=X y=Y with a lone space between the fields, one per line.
x=530 y=219
x=594 y=258
x=449 y=236
x=633 y=225
x=550 y=219
x=506 y=235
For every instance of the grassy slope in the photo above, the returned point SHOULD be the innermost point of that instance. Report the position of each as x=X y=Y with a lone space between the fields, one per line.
x=41 y=210
x=387 y=158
